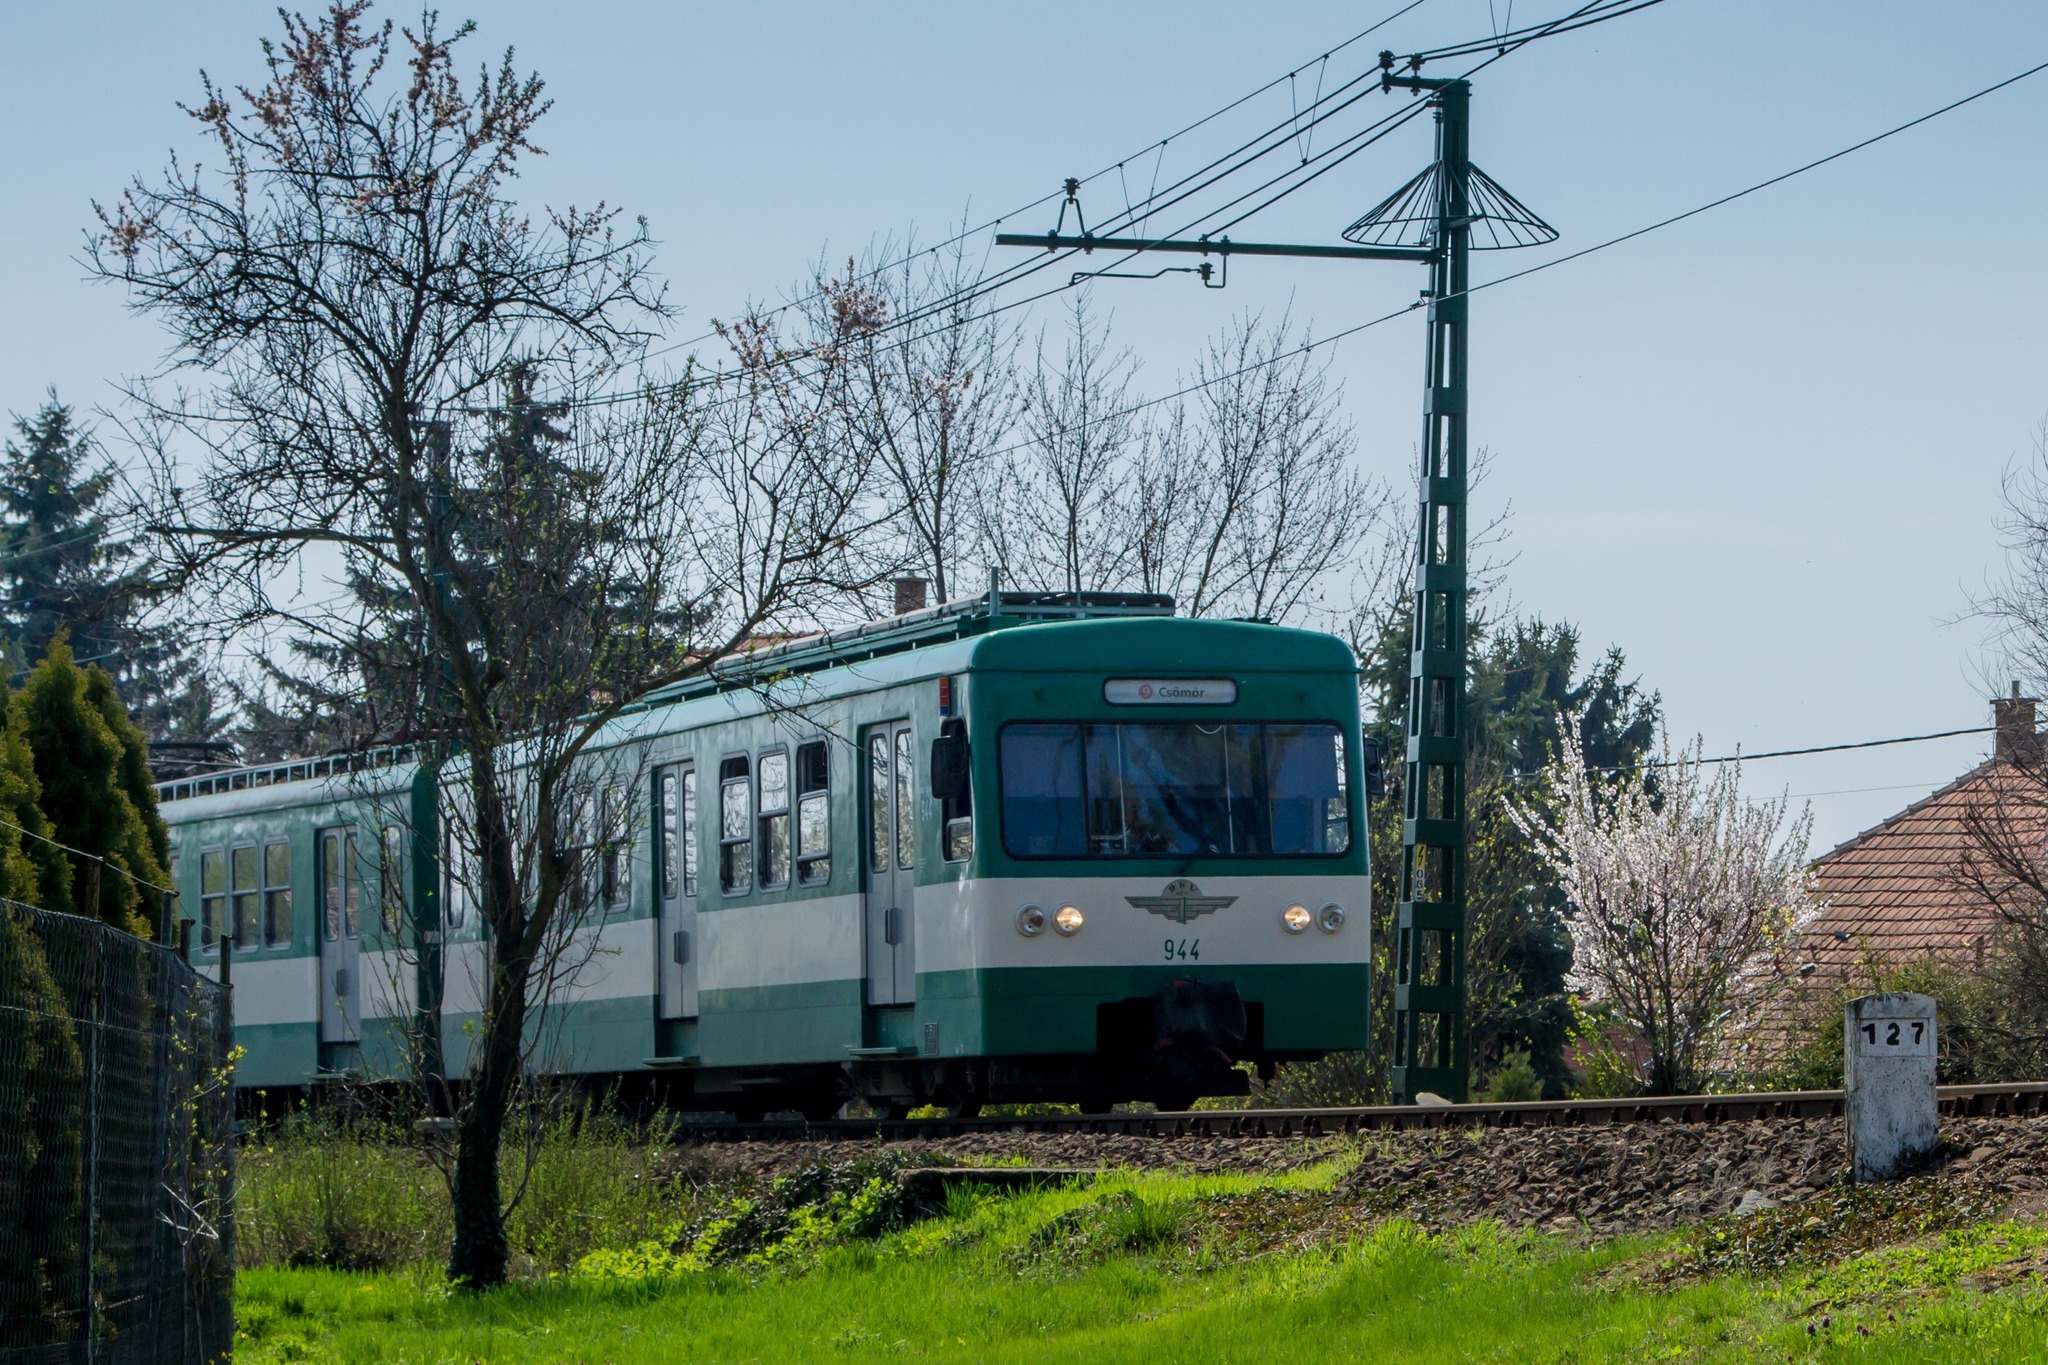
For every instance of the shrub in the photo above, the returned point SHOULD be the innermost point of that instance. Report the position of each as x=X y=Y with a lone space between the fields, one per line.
x=1988 y=1030
x=1602 y=1069
x=1513 y=1080
x=796 y=1215
x=361 y=1194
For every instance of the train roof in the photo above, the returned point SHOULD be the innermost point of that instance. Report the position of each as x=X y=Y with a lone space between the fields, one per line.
x=957 y=620
x=329 y=777
x=1004 y=631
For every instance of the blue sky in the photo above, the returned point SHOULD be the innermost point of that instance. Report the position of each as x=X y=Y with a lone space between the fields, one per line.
x=1760 y=451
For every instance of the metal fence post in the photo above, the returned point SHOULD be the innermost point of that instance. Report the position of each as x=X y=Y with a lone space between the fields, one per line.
x=95 y=1072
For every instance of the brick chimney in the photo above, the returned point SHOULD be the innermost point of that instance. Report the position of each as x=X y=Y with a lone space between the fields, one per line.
x=2018 y=740
x=910 y=596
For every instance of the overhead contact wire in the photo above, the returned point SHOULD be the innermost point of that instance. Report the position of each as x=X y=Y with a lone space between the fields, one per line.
x=1279 y=134
x=1310 y=346
x=1042 y=200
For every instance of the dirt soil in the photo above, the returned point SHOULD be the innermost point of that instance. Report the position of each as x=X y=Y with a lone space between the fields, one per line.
x=1627 y=1177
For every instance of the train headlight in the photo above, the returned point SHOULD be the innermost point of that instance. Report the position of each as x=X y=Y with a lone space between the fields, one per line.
x=1294 y=918
x=1031 y=921
x=1069 y=920
x=1330 y=918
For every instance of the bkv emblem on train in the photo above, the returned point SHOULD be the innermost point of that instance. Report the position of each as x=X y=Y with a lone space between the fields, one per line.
x=1181 y=901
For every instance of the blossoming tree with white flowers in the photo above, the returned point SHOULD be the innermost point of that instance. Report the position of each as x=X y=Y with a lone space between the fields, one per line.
x=1676 y=884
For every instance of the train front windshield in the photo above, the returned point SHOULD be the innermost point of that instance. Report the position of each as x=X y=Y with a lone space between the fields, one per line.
x=1082 y=790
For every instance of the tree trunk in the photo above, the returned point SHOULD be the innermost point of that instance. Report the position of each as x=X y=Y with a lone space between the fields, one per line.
x=479 y=1254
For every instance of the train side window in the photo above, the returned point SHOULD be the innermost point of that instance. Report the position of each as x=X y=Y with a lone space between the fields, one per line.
x=615 y=835
x=735 y=828
x=248 y=893
x=329 y=906
x=906 y=800
x=277 y=894
x=878 y=801
x=953 y=785
x=668 y=806
x=391 y=877
x=341 y=885
x=689 y=831
x=351 y=887
x=213 y=896
x=774 y=818
x=580 y=848
x=455 y=866
x=813 y=813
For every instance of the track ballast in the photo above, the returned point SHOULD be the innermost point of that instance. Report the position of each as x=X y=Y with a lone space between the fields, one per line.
x=2016 y=1099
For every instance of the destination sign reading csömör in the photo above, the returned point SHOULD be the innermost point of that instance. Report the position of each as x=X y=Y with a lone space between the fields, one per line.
x=1170 y=692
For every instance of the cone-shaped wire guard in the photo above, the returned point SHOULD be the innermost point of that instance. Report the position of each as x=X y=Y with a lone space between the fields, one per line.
x=1407 y=217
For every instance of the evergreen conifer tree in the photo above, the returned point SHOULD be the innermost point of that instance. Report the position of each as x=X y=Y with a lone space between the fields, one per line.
x=39 y=1064
x=353 y=689
x=63 y=568
x=81 y=760
x=33 y=869
x=132 y=774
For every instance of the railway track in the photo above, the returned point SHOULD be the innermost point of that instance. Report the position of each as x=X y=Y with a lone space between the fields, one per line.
x=2012 y=1100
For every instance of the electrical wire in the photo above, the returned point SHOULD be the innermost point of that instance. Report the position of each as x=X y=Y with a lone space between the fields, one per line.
x=1763 y=184
x=1334 y=337
x=1600 y=14
x=1857 y=791
x=1595 y=11
x=1289 y=133
x=1281 y=134
x=92 y=857
x=1796 y=753
x=1043 y=200
x=108 y=530
x=1231 y=162
x=1384 y=127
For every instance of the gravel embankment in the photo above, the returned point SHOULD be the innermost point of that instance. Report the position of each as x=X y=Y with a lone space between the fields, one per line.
x=1637 y=1176
x=1609 y=1179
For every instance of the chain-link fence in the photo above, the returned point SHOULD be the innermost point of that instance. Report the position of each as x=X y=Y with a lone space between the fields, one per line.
x=116 y=1148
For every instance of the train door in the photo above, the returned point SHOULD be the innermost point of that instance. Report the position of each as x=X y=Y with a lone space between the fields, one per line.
x=891 y=864
x=341 y=927
x=675 y=792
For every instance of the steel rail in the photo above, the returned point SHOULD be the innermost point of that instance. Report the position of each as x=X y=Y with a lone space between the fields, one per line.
x=2021 y=1099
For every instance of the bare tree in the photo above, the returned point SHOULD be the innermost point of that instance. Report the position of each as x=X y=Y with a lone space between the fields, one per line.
x=1672 y=894
x=1054 y=513
x=931 y=398
x=1242 y=498
x=2016 y=605
x=347 y=289
x=2003 y=867
x=1250 y=501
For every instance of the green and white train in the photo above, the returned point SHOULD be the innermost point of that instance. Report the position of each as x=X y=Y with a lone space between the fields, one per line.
x=1028 y=847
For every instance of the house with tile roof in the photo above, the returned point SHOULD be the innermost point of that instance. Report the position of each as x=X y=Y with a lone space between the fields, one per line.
x=1899 y=893
x=1894 y=892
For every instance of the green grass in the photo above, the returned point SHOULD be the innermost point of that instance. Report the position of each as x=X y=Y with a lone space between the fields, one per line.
x=317 y=1192
x=1159 y=1268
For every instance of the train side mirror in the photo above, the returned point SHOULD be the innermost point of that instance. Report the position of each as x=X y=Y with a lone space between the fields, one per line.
x=1375 y=768
x=949 y=761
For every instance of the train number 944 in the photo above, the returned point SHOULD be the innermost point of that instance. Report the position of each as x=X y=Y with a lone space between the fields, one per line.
x=1184 y=950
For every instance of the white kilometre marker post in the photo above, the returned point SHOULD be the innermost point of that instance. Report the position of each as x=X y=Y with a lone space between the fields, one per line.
x=1888 y=1069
